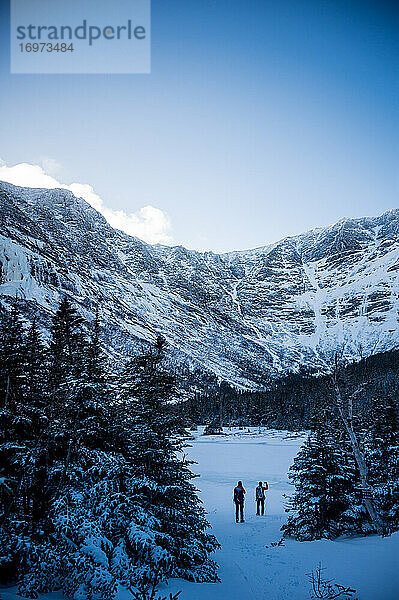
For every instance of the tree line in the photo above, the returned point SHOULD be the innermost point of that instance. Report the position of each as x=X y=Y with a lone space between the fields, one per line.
x=287 y=402
x=95 y=489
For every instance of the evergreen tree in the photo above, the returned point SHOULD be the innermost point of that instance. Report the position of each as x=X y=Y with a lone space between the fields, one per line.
x=93 y=495
x=11 y=355
x=323 y=498
x=66 y=344
x=35 y=369
x=382 y=455
x=20 y=443
x=162 y=478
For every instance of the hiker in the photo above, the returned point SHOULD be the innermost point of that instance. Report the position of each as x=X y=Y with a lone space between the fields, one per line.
x=260 y=498
x=239 y=494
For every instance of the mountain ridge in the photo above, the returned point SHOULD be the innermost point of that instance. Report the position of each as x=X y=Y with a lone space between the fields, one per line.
x=244 y=315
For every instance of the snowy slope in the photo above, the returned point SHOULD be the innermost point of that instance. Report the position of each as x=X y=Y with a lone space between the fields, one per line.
x=242 y=315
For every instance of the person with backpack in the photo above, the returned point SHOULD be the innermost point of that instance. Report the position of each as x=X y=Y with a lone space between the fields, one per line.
x=260 y=498
x=238 y=500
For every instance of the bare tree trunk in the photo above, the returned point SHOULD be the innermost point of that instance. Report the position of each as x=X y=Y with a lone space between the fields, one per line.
x=359 y=458
x=7 y=391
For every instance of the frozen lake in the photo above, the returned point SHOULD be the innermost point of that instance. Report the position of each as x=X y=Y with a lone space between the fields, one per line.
x=247 y=567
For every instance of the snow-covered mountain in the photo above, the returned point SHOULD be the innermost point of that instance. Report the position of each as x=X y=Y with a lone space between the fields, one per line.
x=242 y=315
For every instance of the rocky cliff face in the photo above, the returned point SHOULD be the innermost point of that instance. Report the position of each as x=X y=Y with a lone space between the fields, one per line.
x=242 y=315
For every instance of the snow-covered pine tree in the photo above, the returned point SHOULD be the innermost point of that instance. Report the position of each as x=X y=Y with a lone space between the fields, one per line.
x=66 y=343
x=21 y=456
x=56 y=461
x=171 y=532
x=75 y=552
x=35 y=369
x=323 y=476
x=365 y=513
x=94 y=494
x=133 y=515
x=11 y=355
x=35 y=364
x=382 y=455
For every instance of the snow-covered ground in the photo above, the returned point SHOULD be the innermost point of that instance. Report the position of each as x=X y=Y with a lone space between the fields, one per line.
x=250 y=567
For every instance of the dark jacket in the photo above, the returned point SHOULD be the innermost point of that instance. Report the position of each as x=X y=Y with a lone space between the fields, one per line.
x=239 y=495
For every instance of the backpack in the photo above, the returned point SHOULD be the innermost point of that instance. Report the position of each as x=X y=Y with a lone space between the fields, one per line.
x=238 y=495
x=260 y=494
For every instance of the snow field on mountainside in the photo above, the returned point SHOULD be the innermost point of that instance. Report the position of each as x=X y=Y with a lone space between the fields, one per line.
x=243 y=315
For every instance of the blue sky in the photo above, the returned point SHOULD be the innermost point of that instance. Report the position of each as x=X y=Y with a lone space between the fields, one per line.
x=259 y=119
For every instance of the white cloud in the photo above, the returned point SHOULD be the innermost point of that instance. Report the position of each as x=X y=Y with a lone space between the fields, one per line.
x=149 y=223
x=50 y=165
x=27 y=175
